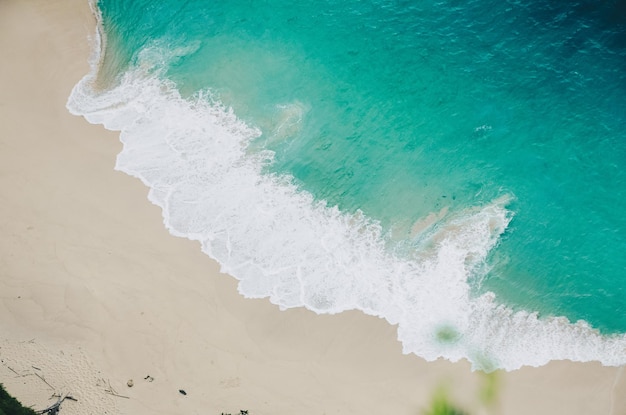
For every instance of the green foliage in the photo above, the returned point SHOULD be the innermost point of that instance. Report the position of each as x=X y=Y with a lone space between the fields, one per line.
x=441 y=405
x=490 y=389
x=487 y=396
x=483 y=363
x=447 y=335
x=10 y=406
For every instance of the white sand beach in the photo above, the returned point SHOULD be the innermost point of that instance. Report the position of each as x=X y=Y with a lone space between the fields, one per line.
x=94 y=292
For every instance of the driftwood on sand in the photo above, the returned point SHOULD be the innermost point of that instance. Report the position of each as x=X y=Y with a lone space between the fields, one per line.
x=54 y=408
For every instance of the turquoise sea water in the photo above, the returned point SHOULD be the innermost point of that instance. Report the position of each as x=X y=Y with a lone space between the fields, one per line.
x=454 y=167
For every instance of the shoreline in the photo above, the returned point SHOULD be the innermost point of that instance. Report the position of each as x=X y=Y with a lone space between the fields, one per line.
x=95 y=292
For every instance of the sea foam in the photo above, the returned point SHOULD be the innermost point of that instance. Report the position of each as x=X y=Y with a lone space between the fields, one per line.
x=281 y=243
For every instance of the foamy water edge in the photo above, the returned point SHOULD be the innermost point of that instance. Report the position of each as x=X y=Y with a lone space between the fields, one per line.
x=282 y=244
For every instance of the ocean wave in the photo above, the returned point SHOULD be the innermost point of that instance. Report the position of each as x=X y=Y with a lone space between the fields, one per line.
x=281 y=243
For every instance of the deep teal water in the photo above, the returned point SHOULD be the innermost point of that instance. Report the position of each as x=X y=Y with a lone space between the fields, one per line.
x=400 y=109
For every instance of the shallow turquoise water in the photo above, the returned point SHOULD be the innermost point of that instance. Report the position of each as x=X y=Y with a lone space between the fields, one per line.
x=400 y=109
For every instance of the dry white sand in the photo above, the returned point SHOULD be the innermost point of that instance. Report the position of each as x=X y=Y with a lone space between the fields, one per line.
x=94 y=292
